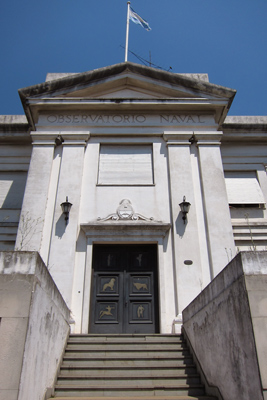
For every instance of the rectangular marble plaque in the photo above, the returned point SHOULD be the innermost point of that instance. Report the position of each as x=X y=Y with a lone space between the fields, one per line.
x=125 y=165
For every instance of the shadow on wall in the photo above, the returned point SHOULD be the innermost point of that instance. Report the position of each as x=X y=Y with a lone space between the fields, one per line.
x=180 y=224
x=61 y=226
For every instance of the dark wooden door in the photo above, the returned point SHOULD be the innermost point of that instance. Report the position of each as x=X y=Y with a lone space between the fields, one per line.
x=124 y=295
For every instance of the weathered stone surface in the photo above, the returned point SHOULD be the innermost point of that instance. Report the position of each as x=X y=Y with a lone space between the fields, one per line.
x=33 y=326
x=226 y=325
x=8 y=394
x=12 y=337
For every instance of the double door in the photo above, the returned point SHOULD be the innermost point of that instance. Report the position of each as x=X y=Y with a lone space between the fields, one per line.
x=124 y=295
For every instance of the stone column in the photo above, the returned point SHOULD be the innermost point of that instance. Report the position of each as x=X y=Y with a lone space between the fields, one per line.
x=32 y=216
x=218 y=221
x=61 y=261
x=188 y=274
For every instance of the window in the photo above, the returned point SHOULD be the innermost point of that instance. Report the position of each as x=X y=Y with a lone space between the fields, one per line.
x=125 y=165
x=243 y=189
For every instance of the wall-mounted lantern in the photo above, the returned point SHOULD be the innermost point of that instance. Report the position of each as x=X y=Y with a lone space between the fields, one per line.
x=66 y=206
x=185 y=205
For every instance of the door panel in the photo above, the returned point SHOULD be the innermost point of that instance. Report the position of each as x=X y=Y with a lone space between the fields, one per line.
x=124 y=289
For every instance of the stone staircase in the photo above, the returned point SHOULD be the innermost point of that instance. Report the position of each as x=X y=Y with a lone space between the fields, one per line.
x=136 y=366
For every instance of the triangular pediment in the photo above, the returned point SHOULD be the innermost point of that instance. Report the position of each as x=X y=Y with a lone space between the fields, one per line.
x=126 y=91
x=126 y=81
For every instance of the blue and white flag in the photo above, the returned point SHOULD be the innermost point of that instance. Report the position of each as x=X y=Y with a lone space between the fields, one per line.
x=138 y=20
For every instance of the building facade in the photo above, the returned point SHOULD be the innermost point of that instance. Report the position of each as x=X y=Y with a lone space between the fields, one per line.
x=125 y=145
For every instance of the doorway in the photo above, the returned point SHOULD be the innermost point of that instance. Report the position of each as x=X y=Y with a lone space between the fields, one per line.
x=124 y=294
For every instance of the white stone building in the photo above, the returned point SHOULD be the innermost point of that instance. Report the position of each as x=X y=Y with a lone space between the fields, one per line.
x=126 y=144
x=136 y=136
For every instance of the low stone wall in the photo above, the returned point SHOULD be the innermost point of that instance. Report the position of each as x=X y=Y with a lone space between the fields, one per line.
x=33 y=327
x=226 y=326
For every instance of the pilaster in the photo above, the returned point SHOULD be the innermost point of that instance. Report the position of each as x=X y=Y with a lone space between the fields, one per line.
x=64 y=237
x=187 y=266
x=218 y=221
x=32 y=216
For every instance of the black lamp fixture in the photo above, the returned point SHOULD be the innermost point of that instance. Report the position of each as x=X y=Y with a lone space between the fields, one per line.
x=185 y=205
x=66 y=206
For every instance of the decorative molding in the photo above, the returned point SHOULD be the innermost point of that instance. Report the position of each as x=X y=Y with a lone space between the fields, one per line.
x=208 y=138
x=126 y=223
x=125 y=212
x=126 y=230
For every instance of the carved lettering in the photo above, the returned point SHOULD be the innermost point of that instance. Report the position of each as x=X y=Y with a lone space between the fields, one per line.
x=52 y=119
x=190 y=118
x=178 y=119
x=126 y=119
x=140 y=118
x=84 y=118
x=75 y=119
x=164 y=117
x=100 y=118
x=199 y=119
x=174 y=119
x=117 y=118
x=93 y=118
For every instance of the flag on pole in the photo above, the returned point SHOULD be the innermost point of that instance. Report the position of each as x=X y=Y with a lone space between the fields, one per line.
x=138 y=20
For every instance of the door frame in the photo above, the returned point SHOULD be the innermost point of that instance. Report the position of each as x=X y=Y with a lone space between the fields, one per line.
x=125 y=233
x=123 y=296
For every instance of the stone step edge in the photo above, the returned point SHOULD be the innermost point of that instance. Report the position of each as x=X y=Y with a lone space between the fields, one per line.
x=126 y=335
x=138 y=398
x=130 y=367
x=119 y=343
x=130 y=387
x=123 y=353
x=136 y=339
x=78 y=349
x=115 y=377
x=141 y=358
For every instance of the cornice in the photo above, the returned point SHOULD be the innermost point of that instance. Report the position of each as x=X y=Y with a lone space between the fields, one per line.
x=125 y=229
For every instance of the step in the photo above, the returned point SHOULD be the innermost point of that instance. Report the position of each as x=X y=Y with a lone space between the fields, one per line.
x=130 y=366
x=129 y=391
x=133 y=346
x=137 y=354
x=128 y=363
x=124 y=381
x=140 y=398
x=125 y=338
x=128 y=371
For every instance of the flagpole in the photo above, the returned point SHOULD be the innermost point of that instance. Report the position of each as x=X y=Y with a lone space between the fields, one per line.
x=127 y=31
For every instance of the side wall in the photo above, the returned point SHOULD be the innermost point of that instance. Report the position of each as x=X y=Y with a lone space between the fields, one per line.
x=33 y=329
x=225 y=325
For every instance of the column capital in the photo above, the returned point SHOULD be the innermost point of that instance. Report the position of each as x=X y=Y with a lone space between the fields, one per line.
x=44 y=138
x=75 y=138
x=176 y=138
x=208 y=138
x=48 y=138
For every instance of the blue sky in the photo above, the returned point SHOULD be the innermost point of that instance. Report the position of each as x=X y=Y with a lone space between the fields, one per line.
x=226 y=39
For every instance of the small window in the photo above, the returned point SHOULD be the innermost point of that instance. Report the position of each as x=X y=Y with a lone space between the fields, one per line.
x=243 y=189
x=125 y=165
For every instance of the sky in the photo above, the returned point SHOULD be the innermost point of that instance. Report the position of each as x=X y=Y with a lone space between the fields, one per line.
x=225 y=38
